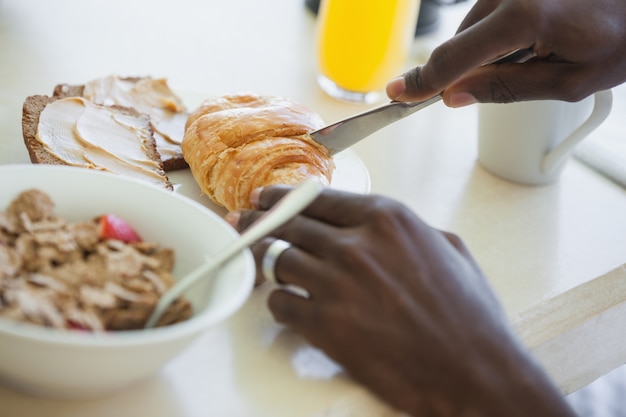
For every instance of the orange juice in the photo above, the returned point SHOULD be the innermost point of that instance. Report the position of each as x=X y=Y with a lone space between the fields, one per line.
x=363 y=44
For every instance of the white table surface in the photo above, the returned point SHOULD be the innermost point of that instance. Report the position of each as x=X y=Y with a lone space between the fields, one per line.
x=534 y=243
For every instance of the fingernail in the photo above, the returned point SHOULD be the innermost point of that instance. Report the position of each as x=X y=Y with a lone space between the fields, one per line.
x=461 y=100
x=232 y=217
x=255 y=197
x=396 y=87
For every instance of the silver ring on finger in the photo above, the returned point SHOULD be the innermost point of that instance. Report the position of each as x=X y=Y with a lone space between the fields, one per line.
x=273 y=252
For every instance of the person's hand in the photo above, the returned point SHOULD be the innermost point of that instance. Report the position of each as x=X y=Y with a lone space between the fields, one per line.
x=579 y=47
x=402 y=306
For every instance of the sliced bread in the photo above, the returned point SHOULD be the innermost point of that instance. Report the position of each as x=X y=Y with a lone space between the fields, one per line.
x=146 y=95
x=73 y=131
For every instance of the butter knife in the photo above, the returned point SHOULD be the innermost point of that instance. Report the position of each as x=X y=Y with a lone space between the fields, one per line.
x=345 y=133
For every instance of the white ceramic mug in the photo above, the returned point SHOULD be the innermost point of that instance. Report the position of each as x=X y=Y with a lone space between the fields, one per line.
x=529 y=142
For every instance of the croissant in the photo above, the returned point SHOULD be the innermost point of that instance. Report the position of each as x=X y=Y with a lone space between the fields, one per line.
x=236 y=143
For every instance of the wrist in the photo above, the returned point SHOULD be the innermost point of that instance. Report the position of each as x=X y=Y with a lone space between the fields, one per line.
x=512 y=383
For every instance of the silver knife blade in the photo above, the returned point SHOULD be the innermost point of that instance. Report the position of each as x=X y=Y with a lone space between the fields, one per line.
x=345 y=133
x=342 y=134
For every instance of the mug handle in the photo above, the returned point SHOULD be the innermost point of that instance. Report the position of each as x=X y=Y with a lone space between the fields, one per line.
x=603 y=101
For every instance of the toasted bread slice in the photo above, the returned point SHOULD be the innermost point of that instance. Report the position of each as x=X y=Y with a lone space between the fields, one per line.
x=168 y=143
x=150 y=167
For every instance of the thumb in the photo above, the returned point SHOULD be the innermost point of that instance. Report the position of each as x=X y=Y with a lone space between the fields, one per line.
x=410 y=87
x=507 y=83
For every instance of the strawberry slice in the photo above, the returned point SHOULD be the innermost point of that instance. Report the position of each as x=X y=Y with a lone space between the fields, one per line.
x=113 y=227
x=74 y=325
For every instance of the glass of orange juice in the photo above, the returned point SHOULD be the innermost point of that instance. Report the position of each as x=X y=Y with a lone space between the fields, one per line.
x=362 y=45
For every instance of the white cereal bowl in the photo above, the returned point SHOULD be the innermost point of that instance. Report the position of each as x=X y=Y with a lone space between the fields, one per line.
x=70 y=364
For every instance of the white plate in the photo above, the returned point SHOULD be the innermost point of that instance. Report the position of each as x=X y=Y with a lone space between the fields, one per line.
x=350 y=175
